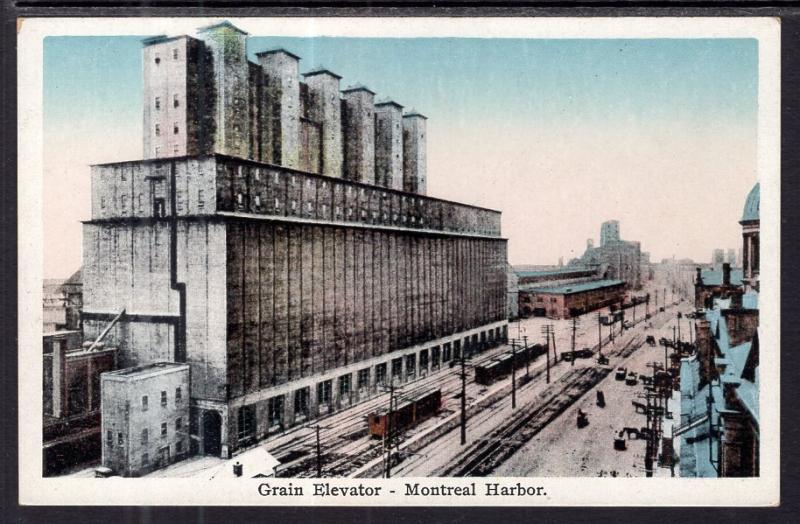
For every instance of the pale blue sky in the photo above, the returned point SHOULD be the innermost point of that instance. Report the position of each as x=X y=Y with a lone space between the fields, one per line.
x=559 y=121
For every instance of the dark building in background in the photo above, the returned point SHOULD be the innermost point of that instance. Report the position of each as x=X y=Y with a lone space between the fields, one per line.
x=614 y=258
x=569 y=300
x=71 y=400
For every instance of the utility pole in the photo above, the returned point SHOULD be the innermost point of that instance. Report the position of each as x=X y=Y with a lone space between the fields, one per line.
x=679 y=325
x=463 y=400
x=599 y=336
x=574 y=328
x=634 y=311
x=513 y=374
x=656 y=301
x=319 y=456
x=664 y=299
x=547 y=330
x=527 y=357
x=389 y=417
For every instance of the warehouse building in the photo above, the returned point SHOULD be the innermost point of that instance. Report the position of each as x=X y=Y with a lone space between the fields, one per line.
x=291 y=281
x=569 y=300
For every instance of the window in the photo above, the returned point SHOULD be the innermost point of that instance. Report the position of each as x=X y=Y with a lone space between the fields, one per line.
x=174 y=54
x=239 y=199
x=257 y=201
x=178 y=394
x=119 y=438
x=301 y=401
x=397 y=367
x=157 y=150
x=158 y=103
x=380 y=374
x=179 y=447
x=275 y=411
x=363 y=378
x=411 y=361
x=145 y=459
x=247 y=422
x=175 y=149
x=144 y=403
x=178 y=424
x=144 y=436
x=175 y=101
x=435 y=357
x=109 y=438
x=124 y=203
x=102 y=202
x=158 y=130
x=344 y=385
x=157 y=59
x=163 y=430
x=324 y=390
x=175 y=129
x=201 y=203
x=163 y=399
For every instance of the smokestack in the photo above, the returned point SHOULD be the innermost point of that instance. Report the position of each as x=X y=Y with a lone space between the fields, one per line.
x=726 y=274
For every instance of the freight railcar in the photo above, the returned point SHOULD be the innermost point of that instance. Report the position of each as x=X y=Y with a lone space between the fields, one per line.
x=500 y=365
x=406 y=413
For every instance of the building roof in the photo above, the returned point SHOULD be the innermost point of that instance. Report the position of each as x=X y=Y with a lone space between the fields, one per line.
x=414 y=113
x=147 y=370
x=358 y=87
x=278 y=50
x=219 y=25
x=713 y=277
x=527 y=273
x=751 y=205
x=321 y=71
x=569 y=289
x=388 y=103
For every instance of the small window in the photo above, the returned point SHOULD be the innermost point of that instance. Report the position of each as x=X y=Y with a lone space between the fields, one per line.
x=175 y=129
x=144 y=403
x=163 y=430
x=257 y=201
x=110 y=438
x=178 y=424
x=363 y=378
x=157 y=151
x=175 y=101
x=174 y=54
x=158 y=102
x=158 y=130
x=201 y=203
x=175 y=149
x=145 y=459
x=119 y=438
x=102 y=202
x=144 y=436
x=178 y=392
x=163 y=399
x=179 y=447
x=239 y=199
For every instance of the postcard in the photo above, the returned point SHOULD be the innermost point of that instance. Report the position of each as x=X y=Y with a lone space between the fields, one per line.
x=399 y=261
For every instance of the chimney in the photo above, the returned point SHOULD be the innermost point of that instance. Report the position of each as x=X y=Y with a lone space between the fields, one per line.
x=726 y=274
x=704 y=349
x=699 y=279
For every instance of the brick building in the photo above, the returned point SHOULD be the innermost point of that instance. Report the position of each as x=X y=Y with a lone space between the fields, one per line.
x=71 y=400
x=568 y=300
x=145 y=417
x=290 y=290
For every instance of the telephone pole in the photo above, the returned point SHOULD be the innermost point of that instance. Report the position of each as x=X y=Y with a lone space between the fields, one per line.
x=574 y=328
x=319 y=456
x=547 y=330
x=527 y=357
x=389 y=417
x=463 y=400
x=599 y=336
x=513 y=374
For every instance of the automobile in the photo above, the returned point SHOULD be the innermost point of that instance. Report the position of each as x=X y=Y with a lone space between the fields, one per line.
x=661 y=309
x=650 y=340
x=632 y=379
x=104 y=472
x=579 y=353
x=627 y=324
x=621 y=373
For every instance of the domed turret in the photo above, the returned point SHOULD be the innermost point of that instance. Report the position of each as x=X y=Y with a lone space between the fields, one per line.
x=750 y=212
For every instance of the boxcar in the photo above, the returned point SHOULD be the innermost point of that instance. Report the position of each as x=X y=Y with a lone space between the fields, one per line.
x=500 y=365
x=406 y=413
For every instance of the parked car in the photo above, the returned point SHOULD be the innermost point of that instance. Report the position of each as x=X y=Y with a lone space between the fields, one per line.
x=621 y=374
x=579 y=353
x=632 y=379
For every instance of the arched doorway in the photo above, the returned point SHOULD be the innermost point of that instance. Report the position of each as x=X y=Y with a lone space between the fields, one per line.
x=212 y=431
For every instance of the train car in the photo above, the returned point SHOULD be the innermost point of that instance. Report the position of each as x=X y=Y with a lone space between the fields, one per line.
x=406 y=413
x=500 y=365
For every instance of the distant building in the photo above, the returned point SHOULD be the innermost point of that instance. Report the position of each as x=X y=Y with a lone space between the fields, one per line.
x=146 y=418
x=717 y=258
x=732 y=257
x=569 y=300
x=62 y=303
x=609 y=232
x=614 y=258
x=71 y=400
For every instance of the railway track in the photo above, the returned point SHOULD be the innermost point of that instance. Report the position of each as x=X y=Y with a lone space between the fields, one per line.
x=483 y=456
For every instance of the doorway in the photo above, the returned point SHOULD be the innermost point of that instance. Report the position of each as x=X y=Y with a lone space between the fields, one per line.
x=212 y=431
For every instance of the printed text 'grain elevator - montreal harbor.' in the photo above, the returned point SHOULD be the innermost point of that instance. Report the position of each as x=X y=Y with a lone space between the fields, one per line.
x=274 y=257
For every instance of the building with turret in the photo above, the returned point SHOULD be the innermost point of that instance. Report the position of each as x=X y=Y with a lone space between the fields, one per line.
x=270 y=241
